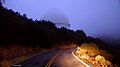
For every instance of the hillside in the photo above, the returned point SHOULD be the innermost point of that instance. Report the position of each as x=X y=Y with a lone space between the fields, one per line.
x=22 y=33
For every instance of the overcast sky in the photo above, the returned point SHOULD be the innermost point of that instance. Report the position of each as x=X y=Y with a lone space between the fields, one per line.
x=95 y=17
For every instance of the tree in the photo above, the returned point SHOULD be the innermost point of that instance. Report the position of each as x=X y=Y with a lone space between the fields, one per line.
x=2 y=1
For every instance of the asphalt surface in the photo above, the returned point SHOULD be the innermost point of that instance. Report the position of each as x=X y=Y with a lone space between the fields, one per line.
x=52 y=58
x=66 y=59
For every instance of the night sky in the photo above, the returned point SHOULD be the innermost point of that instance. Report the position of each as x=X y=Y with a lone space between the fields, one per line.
x=95 y=17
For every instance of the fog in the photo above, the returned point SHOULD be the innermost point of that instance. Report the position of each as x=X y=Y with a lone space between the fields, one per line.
x=96 y=17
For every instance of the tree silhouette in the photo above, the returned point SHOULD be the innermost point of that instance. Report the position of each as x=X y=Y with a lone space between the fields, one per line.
x=2 y=1
x=18 y=29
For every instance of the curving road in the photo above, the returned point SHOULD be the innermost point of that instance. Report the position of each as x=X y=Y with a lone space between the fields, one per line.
x=52 y=58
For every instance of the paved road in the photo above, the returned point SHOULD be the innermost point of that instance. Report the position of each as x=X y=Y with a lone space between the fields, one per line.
x=52 y=58
x=66 y=59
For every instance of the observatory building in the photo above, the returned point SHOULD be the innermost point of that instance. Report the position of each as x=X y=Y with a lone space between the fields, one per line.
x=57 y=17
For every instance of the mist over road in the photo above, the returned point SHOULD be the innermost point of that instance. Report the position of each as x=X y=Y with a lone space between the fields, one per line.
x=52 y=58
x=66 y=59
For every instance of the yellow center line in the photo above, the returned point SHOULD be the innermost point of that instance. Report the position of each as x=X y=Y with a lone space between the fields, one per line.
x=50 y=61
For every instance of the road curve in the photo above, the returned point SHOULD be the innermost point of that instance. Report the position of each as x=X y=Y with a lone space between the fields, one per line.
x=52 y=58
x=38 y=60
x=66 y=59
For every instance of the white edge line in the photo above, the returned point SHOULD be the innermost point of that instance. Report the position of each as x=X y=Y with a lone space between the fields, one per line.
x=25 y=59
x=80 y=60
x=28 y=58
x=17 y=65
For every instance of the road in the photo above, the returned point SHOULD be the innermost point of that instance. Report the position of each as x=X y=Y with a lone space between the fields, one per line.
x=52 y=58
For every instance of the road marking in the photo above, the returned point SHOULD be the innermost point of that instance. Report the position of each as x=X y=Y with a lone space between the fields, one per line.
x=17 y=65
x=80 y=60
x=50 y=61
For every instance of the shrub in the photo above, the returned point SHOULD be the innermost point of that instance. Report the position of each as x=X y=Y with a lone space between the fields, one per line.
x=92 y=53
x=5 y=63
x=90 y=49
x=100 y=58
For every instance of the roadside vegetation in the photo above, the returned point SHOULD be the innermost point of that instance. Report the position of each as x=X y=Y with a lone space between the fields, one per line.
x=21 y=37
x=13 y=54
x=96 y=56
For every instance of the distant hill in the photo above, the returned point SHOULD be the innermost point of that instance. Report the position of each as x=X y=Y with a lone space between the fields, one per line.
x=111 y=41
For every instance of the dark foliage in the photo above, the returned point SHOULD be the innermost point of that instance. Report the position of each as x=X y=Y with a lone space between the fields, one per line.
x=18 y=29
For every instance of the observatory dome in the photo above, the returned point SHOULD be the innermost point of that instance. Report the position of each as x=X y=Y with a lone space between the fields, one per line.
x=57 y=17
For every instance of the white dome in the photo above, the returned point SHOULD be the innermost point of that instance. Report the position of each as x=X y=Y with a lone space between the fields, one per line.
x=57 y=17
